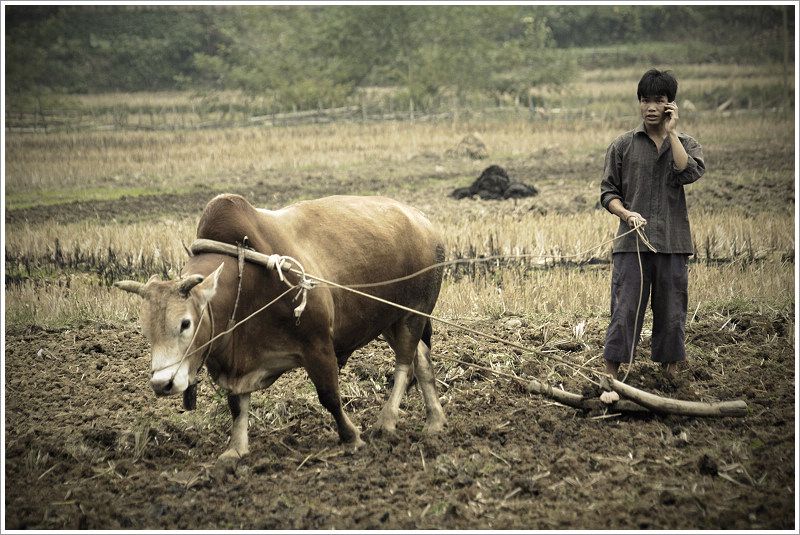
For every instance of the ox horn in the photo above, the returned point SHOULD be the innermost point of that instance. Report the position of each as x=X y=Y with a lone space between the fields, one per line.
x=131 y=286
x=188 y=283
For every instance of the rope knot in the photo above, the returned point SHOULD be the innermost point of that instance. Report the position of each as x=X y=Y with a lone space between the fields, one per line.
x=305 y=285
x=276 y=262
x=639 y=230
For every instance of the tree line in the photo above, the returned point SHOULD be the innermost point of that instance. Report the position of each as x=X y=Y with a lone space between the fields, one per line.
x=317 y=56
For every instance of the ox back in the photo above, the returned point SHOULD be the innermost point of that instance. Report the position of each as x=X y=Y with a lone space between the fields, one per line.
x=349 y=240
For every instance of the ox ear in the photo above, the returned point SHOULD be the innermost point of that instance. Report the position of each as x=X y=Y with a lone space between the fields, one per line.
x=208 y=285
x=131 y=286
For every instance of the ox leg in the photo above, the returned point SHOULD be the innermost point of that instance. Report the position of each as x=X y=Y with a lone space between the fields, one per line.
x=434 y=415
x=404 y=344
x=387 y=419
x=325 y=376
x=413 y=359
x=240 y=408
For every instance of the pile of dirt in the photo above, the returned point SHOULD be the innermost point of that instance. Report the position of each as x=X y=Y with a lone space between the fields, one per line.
x=472 y=146
x=495 y=184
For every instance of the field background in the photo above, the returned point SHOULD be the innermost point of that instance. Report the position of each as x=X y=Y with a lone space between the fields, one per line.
x=103 y=187
x=55 y=181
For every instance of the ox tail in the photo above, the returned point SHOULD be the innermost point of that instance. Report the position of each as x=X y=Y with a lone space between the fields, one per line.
x=427 y=333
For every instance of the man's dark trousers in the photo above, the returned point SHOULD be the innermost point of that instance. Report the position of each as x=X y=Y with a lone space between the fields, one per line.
x=666 y=283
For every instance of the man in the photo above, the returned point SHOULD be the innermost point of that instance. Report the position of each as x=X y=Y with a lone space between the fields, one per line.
x=643 y=178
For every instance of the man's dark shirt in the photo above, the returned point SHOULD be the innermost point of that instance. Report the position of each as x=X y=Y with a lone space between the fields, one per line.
x=648 y=182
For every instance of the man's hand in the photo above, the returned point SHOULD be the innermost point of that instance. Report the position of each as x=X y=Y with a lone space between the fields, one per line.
x=618 y=209
x=634 y=218
x=679 y=155
x=671 y=121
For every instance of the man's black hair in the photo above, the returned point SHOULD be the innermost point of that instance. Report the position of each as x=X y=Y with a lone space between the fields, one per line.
x=655 y=83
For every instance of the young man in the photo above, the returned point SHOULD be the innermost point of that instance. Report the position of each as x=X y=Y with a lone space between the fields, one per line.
x=643 y=178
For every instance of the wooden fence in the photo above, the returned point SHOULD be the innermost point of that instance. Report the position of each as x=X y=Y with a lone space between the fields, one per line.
x=179 y=118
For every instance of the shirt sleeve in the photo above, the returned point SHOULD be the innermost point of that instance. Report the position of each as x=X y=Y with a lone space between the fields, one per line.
x=695 y=167
x=611 y=185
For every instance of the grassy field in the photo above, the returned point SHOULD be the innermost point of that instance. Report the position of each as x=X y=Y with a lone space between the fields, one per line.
x=59 y=272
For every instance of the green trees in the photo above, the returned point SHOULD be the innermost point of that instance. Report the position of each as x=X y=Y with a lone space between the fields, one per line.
x=319 y=56
x=315 y=56
x=104 y=48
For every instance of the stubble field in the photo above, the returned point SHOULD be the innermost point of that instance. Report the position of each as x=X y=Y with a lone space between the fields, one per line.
x=88 y=446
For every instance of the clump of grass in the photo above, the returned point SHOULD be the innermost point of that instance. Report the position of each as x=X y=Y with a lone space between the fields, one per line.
x=141 y=438
x=36 y=460
x=84 y=453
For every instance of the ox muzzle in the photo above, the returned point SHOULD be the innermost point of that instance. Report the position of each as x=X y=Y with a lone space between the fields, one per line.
x=167 y=387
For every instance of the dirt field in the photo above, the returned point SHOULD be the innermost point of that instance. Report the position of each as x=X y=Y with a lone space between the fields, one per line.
x=88 y=446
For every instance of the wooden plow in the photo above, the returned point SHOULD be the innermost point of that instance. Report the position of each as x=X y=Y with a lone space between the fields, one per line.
x=638 y=401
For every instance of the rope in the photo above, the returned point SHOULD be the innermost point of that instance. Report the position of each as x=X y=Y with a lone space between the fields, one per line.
x=232 y=328
x=440 y=320
x=497 y=257
x=277 y=262
x=240 y=252
x=306 y=283
x=637 y=226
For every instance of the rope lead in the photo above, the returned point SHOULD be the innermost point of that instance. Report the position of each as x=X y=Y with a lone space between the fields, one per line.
x=305 y=285
x=277 y=262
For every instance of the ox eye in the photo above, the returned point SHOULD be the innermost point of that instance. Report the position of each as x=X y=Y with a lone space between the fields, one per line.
x=185 y=324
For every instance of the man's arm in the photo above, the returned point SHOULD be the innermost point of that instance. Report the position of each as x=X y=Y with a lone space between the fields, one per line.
x=630 y=218
x=679 y=155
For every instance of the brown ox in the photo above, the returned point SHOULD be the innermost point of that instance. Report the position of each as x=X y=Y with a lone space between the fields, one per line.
x=346 y=240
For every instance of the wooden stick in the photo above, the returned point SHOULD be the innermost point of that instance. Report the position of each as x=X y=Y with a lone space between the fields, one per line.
x=675 y=406
x=210 y=246
x=562 y=396
x=640 y=401
x=576 y=400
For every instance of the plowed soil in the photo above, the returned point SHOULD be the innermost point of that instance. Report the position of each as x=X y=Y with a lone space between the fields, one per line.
x=88 y=445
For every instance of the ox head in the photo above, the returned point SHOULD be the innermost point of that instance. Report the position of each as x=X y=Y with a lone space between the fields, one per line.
x=172 y=312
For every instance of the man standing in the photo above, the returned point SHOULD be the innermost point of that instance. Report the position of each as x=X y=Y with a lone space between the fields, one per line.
x=643 y=178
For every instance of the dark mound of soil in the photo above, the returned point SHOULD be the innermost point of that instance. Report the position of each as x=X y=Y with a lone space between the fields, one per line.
x=495 y=184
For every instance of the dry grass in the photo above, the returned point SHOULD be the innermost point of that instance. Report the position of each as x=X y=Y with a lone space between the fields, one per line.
x=77 y=165
x=58 y=273
x=552 y=265
x=80 y=166
x=174 y=159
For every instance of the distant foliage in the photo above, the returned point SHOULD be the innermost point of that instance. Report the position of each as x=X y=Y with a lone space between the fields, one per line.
x=307 y=57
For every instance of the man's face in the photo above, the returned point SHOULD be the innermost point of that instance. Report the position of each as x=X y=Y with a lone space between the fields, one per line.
x=652 y=109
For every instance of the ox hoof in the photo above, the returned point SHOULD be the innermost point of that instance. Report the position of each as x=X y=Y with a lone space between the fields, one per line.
x=383 y=431
x=231 y=455
x=225 y=466
x=433 y=428
x=354 y=445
